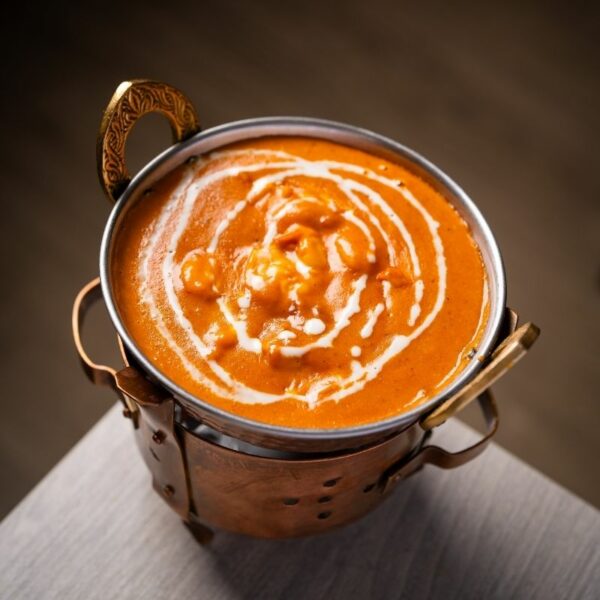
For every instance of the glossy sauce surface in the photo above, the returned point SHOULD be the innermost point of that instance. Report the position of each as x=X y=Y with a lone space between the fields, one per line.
x=300 y=282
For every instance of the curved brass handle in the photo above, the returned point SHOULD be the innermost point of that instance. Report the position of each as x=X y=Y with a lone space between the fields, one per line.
x=506 y=355
x=132 y=100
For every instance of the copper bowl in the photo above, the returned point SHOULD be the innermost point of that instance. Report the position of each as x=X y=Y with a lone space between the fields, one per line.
x=201 y=455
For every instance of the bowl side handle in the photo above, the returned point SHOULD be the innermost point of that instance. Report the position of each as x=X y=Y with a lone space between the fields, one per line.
x=131 y=101
x=134 y=390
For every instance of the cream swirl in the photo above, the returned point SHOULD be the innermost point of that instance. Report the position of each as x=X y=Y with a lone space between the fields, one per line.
x=306 y=256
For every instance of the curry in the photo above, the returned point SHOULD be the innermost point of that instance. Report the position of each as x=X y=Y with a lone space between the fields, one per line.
x=302 y=283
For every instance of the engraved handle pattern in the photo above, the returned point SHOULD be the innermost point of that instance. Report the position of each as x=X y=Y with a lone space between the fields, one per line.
x=132 y=100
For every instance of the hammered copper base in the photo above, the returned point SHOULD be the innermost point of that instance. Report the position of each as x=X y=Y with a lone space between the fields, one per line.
x=276 y=498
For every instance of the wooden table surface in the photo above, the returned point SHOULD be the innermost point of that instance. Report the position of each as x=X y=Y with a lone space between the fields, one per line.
x=495 y=528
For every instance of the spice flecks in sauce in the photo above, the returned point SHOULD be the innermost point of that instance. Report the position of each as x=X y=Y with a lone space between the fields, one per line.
x=265 y=271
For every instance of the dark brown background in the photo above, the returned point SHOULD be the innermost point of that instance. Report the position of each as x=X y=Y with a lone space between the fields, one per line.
x=504 y=99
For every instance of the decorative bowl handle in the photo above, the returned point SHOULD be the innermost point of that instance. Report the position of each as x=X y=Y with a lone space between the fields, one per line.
x=132 y=100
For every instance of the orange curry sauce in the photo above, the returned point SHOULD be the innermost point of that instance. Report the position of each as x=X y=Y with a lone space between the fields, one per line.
x=302 y=283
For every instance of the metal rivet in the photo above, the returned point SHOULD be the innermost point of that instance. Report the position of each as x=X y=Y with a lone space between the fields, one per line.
x=324 y=515
x=324 y=499
x=331 y=482
x=168 y=490
x=290 y=501
x=191 y=159
x=148 y=191
x=368 y=488
x=158 y=437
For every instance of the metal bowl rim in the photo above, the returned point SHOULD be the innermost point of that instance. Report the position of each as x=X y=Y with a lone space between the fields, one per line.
x=252 y=128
